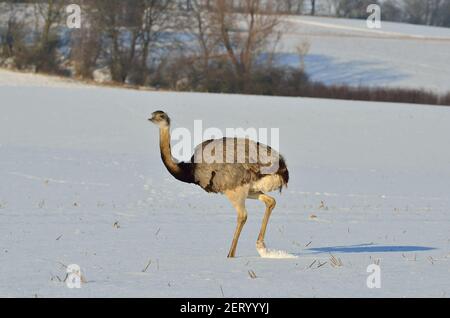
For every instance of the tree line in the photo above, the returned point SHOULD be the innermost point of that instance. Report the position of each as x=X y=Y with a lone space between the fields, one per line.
x=197 y=45
x=146 y=42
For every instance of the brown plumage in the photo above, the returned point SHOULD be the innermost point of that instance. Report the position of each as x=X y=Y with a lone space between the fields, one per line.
x=239 y=168
x=222 y=175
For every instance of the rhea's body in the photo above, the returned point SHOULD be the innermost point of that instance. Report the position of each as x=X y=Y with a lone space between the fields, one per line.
x=238 y=168
x=221 y=164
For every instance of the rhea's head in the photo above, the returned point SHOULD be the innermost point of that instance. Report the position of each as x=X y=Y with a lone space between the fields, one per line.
x=160 y=118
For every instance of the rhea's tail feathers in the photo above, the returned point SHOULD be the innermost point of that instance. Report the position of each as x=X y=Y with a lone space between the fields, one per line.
x=283 y=172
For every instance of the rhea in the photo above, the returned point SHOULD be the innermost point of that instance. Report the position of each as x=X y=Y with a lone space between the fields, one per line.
x=239 y=168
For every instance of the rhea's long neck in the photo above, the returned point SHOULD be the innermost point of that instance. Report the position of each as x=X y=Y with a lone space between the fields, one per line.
x=176 y=169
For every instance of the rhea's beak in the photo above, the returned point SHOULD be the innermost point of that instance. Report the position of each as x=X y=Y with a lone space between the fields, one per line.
x=152 y=119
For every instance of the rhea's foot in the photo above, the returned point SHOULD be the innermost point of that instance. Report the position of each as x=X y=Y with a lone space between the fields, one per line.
x=261 y=248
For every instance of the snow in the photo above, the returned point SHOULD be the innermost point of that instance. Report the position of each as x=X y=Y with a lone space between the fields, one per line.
x=82 y=182
x=9 y=78
x=345 y=51
x=269 y=253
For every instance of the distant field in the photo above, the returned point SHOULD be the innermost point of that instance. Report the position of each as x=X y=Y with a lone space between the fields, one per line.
x=347 y=52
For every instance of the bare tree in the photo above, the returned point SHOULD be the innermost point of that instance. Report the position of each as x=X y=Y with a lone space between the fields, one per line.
x=11 y=37
x=48 y=15
x=245 y=35
x=290 y=6
x=444 y=14
x=199 y=24
x=299 y=6
x=130 y=29
x=355 y=9
x=392 y=11
x=86 y=44
x=119 y=41
x=429 y=12
x=155 y=20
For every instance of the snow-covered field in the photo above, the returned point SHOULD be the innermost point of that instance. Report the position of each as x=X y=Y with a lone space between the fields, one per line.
x=81 y=182
x=10 y=78
x=346 y=51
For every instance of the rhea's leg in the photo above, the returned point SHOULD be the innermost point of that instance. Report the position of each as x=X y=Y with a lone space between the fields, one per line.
x=237 y=198
x=270 y=205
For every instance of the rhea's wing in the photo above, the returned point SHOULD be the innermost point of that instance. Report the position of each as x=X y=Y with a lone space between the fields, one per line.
x=226 y=163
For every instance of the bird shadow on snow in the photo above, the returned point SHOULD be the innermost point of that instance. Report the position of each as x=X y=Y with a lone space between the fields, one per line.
x=369 y=248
